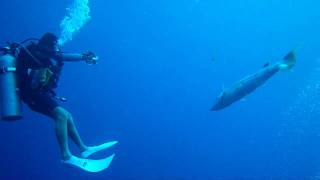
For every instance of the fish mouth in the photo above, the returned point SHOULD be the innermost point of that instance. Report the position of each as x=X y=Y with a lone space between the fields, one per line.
x=216 y=106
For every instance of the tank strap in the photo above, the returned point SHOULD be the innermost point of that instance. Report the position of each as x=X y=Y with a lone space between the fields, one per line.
x=15 y=47
x=32 y=56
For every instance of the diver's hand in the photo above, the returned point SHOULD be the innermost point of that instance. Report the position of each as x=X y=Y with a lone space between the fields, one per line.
x=89 y=57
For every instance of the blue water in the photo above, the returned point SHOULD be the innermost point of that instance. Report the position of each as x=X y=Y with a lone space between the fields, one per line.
x=162 y=63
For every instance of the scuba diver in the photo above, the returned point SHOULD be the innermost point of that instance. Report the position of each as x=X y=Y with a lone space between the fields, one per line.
x=38 y=68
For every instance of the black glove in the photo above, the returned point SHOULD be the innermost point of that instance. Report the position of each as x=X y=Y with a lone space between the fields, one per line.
x=89 y=57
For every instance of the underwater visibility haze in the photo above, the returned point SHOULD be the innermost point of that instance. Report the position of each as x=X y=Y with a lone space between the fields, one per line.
x=161 y=66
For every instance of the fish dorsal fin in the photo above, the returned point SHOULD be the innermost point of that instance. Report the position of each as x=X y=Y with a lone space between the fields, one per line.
x=220 y=95
x=266 y=64
x=221 y=91
x=290 y=59
x=223 y=87
x=289 y=56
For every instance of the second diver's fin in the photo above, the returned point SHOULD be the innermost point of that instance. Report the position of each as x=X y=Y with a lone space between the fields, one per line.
x=90 y=165
x=93 y=149
x=288 y=61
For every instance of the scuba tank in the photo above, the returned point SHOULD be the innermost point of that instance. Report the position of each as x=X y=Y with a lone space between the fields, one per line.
x=10 y=103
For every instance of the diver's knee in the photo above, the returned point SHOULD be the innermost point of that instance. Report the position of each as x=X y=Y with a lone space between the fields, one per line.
x=60 y=113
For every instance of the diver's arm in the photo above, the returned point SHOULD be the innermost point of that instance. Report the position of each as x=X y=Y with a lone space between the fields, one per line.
x=71 y=57
x=88 y=57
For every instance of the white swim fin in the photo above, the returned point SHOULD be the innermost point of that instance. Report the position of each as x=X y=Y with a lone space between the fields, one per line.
x=93 y=149
x=90 y=165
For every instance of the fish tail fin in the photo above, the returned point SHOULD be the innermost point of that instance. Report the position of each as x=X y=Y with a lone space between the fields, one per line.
x=288 y=61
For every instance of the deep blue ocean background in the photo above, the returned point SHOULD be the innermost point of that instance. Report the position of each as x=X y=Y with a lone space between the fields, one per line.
x=162 y=63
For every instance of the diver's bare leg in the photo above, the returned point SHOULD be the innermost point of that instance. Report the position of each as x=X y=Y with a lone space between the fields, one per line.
x=85 y=150
x=61 y=127
x=73 y=133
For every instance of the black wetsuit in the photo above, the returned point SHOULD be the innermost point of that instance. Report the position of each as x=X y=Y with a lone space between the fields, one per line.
x=42 y=99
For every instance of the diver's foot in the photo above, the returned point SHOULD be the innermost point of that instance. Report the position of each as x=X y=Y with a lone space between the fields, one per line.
x=73 y=160
x=88 y=164
x=66 y=156
x=94 y=149
x=83 y=148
